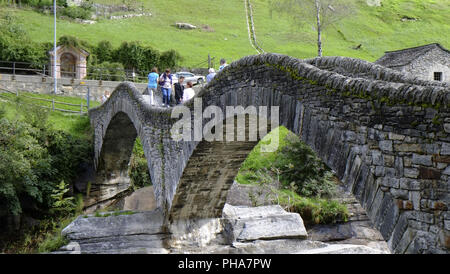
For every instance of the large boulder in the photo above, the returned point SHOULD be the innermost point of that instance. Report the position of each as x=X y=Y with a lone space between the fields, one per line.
x=185 y=26
x=119 y=232
x=114 y=224
x=244 y=224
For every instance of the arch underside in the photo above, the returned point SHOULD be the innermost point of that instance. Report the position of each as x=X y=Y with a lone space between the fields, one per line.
x=112 y=169
x=213 y=166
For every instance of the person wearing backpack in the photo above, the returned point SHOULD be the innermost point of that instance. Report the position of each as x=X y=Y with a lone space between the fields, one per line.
x=165 y=81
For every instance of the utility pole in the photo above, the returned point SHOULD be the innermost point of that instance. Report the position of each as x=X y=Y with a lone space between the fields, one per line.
x=54 y=46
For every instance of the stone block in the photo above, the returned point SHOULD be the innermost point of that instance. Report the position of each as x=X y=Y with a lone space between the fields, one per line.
x=408 y=148
x=385 y=145
x=411 y=172
x=266 y=222
x=429 y=173
x=445 y=150
x=424 y=160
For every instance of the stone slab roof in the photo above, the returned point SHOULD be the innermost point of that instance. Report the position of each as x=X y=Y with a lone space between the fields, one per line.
x=403 y=57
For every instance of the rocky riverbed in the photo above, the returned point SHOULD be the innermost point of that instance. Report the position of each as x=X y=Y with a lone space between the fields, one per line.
x=243 y=229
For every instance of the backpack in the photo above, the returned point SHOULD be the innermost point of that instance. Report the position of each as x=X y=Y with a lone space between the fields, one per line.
x=162 y=82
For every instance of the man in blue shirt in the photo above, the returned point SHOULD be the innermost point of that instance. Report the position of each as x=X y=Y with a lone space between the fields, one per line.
x=152 y=83
x=211 y=75
x=223 y=64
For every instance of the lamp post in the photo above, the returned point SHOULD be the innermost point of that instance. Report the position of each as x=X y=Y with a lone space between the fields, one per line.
x=54 y=46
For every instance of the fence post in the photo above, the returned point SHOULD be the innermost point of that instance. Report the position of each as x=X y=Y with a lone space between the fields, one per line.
x=44 y=71
x=88 y=97
x=209 y=61
x=81 y=108
x=14 y=69
x=53 y=104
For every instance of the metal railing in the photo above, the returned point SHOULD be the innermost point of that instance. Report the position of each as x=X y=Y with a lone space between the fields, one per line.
x=84 y=108
x=92 y=73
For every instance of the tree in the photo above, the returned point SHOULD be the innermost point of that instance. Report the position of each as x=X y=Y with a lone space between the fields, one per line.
x=104 y=51
x=322 y=12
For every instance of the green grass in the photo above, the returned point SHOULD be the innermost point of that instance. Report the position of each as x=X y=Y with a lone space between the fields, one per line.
x=258 y=161
x=377 y=29
x=313 y=210
x=75 y=124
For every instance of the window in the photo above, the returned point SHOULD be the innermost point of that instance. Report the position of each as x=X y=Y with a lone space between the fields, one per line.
x=437 y=76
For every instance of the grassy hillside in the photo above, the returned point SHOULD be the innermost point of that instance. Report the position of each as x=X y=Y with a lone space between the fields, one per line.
x=377 y=28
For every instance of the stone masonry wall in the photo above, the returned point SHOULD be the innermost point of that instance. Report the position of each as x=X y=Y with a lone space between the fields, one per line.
x=386 y=140
x=69 y=87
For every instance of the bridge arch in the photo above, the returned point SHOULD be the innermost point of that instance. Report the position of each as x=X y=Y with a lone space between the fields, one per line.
x=384 y=134
x=114 y=142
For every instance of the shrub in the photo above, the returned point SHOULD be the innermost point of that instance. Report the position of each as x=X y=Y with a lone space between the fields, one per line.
x=16 y=45
x=34 y=159
x=300 y=166
x=107 y=71
x=169 y=59
x=104 y=51
x=313 y=210
x=62 y=205
x=139 y=175
x=77 y=12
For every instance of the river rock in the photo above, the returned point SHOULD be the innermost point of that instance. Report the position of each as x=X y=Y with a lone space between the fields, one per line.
x=342 y=249
x=139 y=232
x=243 y=224
x=88 y=226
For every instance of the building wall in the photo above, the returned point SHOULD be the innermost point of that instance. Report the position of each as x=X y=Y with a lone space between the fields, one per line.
x=425 y=66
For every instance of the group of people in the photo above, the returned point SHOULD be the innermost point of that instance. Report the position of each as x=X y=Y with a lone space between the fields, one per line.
x=212 y=72
x=182 y=93
x=165 y=81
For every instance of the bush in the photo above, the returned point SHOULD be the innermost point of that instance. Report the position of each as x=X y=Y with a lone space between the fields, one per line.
x=16 y=45
x=77 y=12
x=139 y=175
x=62 y=205
x=169 y=59
x=300 y=166
x=34 y=159
x=104 y=52
x=107 y=71
x=313 y=210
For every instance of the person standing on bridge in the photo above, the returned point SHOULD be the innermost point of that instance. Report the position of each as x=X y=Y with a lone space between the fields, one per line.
x=210 y=76
x=179 y=89
x=105 y=97
x=189 y=92
x=165 y=81
x=152 y=83
x=223 y=64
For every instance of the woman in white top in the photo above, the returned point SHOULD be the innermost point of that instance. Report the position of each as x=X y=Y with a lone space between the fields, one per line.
x=188 y=92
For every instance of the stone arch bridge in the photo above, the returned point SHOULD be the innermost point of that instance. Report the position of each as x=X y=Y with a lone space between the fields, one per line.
x=386 y=136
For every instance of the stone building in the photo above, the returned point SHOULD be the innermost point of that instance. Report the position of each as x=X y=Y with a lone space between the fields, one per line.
x=70 y=62
x=428 y=62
